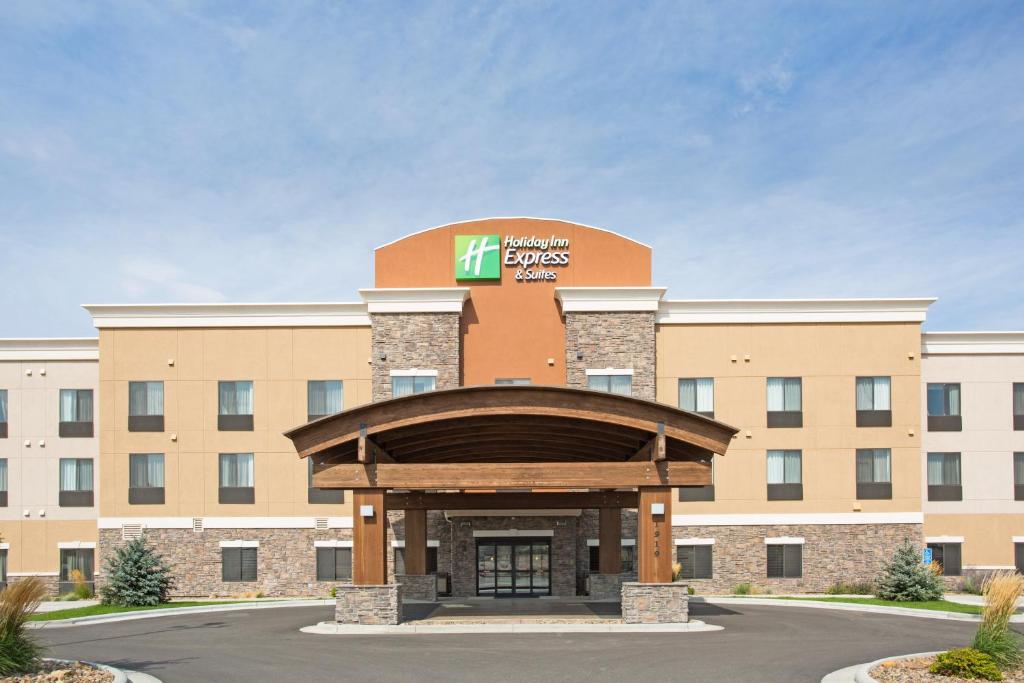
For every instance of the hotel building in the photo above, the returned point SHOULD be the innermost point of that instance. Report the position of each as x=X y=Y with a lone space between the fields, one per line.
x=845 y=430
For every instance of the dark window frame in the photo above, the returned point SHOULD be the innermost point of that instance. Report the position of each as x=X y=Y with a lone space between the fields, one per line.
x=786 y=490
x=694 y=380
x=627 y=558
x=788 y=417
x=6 y=408
x=76 y=498
x=146 y=495
x=947 y=420
x=399 y=556
x=146 y=422
x=247 y=557
x=698 y=567
x=310 y=415
x=1018 y=417
x=940 y=552
x=77 y=428
x=64 y=583
x=945 y=492
x=327 y=563
x=1018 y=486
x=872 y=489
x=790 y=554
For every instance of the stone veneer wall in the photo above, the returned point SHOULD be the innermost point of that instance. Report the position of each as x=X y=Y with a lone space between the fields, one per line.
x=655 y=603
x=414 y=340
x=611 y=340
x=851 y=553
x=418 y=587
x=51 y=582
x=369 y=605
x=589 y=525
x=286 y=560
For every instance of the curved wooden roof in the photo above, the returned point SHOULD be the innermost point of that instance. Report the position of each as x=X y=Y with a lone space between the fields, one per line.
x=510 y=423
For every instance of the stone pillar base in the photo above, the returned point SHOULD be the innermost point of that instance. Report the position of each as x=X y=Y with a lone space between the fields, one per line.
x=605 y=586
x=654 y=603
x=368 y=604
x=421 y=587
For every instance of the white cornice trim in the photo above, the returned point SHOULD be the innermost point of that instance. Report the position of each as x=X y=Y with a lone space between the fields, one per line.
x=972 y=343
x=695 y=312
x=60 y=348
x=224 y=522
x=787 y=518
x=111 y=316
x=609 y=299
x=415 y=300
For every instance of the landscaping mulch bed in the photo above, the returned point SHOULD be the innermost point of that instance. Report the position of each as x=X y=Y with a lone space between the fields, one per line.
x=916 y=671
x=62 y=672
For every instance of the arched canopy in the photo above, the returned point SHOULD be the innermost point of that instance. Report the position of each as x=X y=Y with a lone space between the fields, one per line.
x=511 y=424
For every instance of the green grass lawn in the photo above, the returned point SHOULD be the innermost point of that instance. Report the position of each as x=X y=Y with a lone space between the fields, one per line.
x=91 y=610
x=937 y=605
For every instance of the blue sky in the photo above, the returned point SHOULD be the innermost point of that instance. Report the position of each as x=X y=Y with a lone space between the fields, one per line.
x=172 y=151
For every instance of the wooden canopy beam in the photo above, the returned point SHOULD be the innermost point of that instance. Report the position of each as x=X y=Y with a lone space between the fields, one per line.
x=512 y=501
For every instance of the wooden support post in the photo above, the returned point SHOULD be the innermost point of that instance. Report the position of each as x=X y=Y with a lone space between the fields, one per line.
x=369 y=561
x=610 y=541
x=654 y=535
x=416 y=542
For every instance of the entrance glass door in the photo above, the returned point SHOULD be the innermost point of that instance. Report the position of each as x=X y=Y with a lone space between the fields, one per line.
x=513 y=566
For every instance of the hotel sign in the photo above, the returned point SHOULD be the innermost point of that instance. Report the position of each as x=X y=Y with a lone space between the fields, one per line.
x=532 y=258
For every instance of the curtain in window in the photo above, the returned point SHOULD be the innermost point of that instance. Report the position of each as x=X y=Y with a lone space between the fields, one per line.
x=792 y=394
x=68 y=407
x=705 y=395
x=944 y=469
x=865 y=393
x=402 y=386
x=3 y=405
x=235 y=398
x=876 y=466
x=236 y=470
x=424 y=384
x=953 y=394
x=776 y=394
x=597 y=382
x=935 y=469
x=627 y=559
x=688 y=394
x=1018 y=469
x=324 y=397
x=865 y=466
x=882 y=393
x=621 y=384
x=75 y=474
x=146 y=470
x=776 y=467
x=72 y=560
x=3 y=474
x=792 y=467
x=145 y=398
x=936 y=399
x=1018 y=401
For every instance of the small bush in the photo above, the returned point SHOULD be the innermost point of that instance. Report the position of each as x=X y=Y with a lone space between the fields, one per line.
x=994 y=637
x=690 y=590
x=853 y=588
x=677 y=569
x=334 y=592
x=82 y=589
x=19 y=652
x=906 y=579
x=137 y=576
x=966 y=663
x=972 y=586
x=742 y=589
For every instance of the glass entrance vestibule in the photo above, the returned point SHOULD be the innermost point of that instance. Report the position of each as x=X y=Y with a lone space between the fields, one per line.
x=513 y=566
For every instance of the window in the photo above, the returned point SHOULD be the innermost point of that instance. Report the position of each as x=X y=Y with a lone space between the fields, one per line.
x=76 y=565
x=431 y=560
x=323 y=397
x=944 y=408
x=947 y=556
x=785 y=561
x=1018 y=476
x=698 y=395
x=696 y=494
x=694 y=561
x=321 y=496
x=3 y=413
x=334 y=564
x=406 y=385
x=76 y=482
x=784 y=475
x=236 y=478
x=874 y=402
x=145 y=406
x=874 y=474
x=3 y=482
x=1018 y=557
x=944 y=476
x=145 y=478
x=627 y=562
x=238 y=564
x=3 y=568
x=1018 y=407
x=75 y=413
x=611 y=381
x=234 y=406
x=512 y=380
x=785 y=402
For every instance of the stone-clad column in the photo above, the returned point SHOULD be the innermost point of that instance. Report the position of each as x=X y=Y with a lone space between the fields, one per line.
x=621 y=340
x=401 y=341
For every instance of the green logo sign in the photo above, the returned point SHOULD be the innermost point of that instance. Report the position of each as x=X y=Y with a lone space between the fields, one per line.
x=477 y=257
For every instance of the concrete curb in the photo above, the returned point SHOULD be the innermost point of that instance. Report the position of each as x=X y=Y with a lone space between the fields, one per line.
x=850 y=607
x=172 y=611
x=861 y=673
x=332 y=628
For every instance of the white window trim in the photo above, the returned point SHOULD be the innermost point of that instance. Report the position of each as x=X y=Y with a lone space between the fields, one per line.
x=430 y=544
x=943 y=539
x=5 y=546
x=514 y=533
x=595 y=542
x=76 y=545
x=332 y=544
x=602 y=372
x=1018 y=539
x=784 y=540
x=239 y=544
x=695 y=541
x=414 y=372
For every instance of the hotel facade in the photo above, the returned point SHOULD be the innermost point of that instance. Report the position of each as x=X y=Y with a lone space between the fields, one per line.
x=818 y=434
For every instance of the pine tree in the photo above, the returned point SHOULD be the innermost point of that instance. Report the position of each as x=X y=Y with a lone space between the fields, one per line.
x=136 y=576
x=905 y=578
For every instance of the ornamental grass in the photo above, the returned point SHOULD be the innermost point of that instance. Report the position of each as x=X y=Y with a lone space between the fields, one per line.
x=994 y=637
x=19 y=652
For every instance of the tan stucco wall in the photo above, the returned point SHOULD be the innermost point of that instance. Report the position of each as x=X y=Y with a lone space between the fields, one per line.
x=828 y=357
x=988 y=538
x=33 y=543
x=33 y=402
x=279 y=361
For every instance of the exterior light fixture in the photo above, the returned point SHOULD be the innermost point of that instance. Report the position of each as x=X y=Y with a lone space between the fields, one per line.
x=366 y=511
x=579 y=355
x=657 y=508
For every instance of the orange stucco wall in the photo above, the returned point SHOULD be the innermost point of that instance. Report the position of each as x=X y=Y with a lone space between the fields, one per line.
x=511 y=328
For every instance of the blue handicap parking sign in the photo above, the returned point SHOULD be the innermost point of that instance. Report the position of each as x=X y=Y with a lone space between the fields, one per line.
x=926 y=556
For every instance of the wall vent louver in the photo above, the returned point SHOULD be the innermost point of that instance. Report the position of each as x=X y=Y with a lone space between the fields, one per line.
x=130 y=531
x=321 y=524
x=197 y=524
